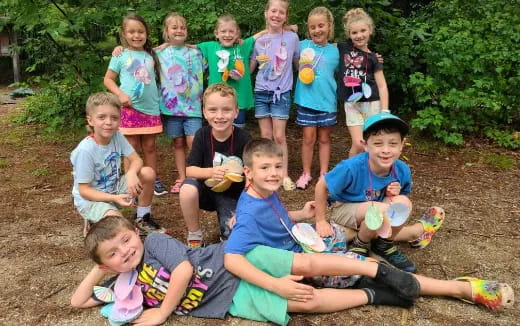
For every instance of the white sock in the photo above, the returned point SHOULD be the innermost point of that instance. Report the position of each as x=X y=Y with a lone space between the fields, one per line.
x=143 y=210
x=197 y=235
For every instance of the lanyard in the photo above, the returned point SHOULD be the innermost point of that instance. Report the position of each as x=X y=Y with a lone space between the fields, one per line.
x=369 y=194
x=276 y=211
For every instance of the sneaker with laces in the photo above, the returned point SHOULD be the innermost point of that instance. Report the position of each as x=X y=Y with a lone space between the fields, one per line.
x=159 y=189
x=303 y=181
x=147 y=225
x=390 y=253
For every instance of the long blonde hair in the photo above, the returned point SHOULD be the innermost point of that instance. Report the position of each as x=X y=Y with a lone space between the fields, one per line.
x=357 y=15
x=325 y=12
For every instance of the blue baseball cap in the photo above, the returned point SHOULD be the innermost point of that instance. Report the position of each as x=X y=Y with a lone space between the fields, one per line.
x=384 y=120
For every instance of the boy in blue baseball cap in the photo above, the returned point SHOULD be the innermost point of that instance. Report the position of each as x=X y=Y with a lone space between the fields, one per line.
x=368 y=193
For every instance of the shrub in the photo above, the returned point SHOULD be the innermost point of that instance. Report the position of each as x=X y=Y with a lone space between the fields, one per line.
x=469 y=78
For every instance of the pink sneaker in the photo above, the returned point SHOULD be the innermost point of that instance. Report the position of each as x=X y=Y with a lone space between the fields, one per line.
x=303 y=181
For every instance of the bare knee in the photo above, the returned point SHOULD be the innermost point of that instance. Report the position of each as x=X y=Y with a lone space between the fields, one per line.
x=178 y=143
x=324 y=140
x=147 y=174
x=280 y=139
x=309 y=141
x=188 y=193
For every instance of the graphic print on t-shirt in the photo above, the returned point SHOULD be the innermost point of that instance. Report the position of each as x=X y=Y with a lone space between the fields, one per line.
x=154 y=285
x=108 y=177
x=355 y=64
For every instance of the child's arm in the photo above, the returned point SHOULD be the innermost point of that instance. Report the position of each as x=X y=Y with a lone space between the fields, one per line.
x=383 y=90
x=110 y=84
x=133 y=184
x=118 y=51
x=286 y=286
x=82 y=297
x=320 y=205
x=308 y=211
x=87 y=192
x=257 y=35
x=252 y=65
x=196 y=172
x=179 y=280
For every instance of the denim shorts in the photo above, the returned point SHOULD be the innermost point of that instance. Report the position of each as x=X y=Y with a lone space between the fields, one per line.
x=240 y=121
x=313 y=118
x=266 y=106
x=176 y=127
x=215 y=201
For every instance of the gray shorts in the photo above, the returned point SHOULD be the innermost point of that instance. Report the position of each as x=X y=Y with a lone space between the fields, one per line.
x=93 y=211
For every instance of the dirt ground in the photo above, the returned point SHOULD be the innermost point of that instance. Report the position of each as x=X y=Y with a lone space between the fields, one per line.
x=42 y=259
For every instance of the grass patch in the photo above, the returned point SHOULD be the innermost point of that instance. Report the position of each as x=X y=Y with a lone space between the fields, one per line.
x=3 y=164
x=501 y=162
x=63 y=136
x=40 y=172
x=423 y=145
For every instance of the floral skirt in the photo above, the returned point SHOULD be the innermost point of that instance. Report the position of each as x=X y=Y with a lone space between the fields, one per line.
x=134 y=122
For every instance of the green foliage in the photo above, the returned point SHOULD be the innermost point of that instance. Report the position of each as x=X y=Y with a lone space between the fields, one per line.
x=60 y=105
x=504 y=138
x=468 y=77
x=451 y=64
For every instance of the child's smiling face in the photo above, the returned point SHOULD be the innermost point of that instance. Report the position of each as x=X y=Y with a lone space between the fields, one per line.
x=227 y=33
x=319 y=29
x=265 y=175
x=177 y=31
x=135 y=34
x=383 y=150
x=220 y=112
x=104 y=120
x=123 y=252
x=276 y=15
x=360 y=33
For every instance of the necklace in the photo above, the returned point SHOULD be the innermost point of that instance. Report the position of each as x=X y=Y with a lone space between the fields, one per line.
x=308 y=62
x=276 y=212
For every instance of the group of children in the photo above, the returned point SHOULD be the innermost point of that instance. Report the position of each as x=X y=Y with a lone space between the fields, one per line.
x=259 y=270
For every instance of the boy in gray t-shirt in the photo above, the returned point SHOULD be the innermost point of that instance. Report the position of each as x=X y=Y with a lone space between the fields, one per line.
x=176 y=279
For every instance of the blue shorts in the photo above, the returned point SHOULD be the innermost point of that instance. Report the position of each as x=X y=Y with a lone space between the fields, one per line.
x=175 y=127
x=266 y=107
x=240 y=121
x=313 y=118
